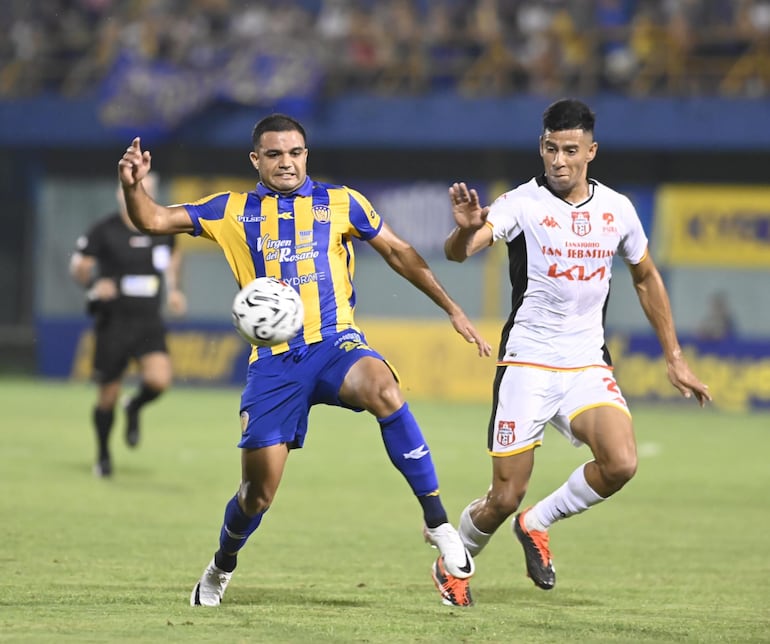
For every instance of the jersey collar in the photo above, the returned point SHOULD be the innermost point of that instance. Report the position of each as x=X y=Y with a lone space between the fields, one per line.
x=542 y=182
x=305 y=190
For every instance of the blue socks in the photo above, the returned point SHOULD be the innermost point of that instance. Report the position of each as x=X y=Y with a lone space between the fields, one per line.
x=409 y=452
x=236 y=529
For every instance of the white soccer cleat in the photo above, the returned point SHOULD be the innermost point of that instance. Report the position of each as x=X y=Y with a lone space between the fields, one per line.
x=457 y=560
x=210 y=587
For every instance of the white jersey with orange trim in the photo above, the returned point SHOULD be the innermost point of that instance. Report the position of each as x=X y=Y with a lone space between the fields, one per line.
x=560 y=258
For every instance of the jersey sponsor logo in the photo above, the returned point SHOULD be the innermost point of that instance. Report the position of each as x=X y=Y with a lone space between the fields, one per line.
x=322 y=214
x=417 y=453
x=250 y=219
x=550 y=222
x=505 y=432
x=298 y=280
x=577 y=272
x=608 y=227
x=589 y=253
x=581 y=223
x=281 y=250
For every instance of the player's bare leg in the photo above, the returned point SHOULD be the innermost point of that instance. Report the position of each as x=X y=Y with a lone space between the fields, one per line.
x=608 y=431
x=261 y=472
x=371 y=384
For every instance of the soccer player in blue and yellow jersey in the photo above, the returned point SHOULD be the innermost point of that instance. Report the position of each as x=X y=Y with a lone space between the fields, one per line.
x=301 y=231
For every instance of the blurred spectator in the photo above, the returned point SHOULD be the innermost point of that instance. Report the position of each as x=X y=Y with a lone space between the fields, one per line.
x=719 y=323
x=479 y=47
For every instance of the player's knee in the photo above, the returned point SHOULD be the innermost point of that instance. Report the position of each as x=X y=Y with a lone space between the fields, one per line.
x=503 y=502
x=383 y=398
x=254 y=498
x=620 y=469
x=158 y=380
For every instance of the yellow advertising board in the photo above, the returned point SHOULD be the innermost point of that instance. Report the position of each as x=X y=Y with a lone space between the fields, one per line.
x=713 y=225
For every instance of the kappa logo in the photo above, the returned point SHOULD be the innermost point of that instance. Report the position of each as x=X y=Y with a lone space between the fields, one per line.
x=417 y=453
x=550 y=222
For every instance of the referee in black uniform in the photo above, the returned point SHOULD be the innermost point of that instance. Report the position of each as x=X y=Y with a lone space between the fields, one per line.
x=126 y=273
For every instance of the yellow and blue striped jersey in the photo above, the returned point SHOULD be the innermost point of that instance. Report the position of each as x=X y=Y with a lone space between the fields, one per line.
x=304 y=238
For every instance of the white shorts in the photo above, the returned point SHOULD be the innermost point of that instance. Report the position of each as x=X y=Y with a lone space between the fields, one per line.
x=527 y=398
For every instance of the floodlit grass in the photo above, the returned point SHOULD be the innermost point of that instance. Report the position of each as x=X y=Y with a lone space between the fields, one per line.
x=681 y=555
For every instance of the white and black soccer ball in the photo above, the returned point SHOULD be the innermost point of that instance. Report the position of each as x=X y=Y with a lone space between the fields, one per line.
x=267 y=311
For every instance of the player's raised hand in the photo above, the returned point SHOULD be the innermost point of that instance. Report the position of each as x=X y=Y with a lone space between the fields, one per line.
x=134 y=165
x=466 y=207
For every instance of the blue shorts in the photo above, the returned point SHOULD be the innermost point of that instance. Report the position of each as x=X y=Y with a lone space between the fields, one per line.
x=280 y=390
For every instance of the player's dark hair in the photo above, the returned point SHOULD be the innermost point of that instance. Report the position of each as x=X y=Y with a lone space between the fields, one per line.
x=568 y=114
x=276 y=123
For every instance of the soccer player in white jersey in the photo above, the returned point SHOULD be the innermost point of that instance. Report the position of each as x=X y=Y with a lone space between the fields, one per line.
x=562 y=230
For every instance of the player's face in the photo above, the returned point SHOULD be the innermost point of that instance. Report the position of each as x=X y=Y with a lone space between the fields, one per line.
x=281 y=160
x=566 y=155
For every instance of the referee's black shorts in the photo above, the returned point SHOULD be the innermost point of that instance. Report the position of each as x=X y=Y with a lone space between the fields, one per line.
x=120 y=337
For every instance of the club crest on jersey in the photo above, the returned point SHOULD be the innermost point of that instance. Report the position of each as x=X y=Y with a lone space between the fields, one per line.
x=322 y=214
x=505 y=433
x=581 y=223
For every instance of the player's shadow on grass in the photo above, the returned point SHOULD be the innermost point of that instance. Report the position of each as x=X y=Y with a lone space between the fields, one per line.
x=137 y=476
x=531 y=597
x=292 y=597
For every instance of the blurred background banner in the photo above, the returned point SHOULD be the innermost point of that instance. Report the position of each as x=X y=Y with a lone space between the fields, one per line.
x=141 y=97
x=400 y=98
x=432 y=361
x=707 y=225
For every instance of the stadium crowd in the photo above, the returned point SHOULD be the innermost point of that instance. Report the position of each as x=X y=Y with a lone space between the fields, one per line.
x=478 y=47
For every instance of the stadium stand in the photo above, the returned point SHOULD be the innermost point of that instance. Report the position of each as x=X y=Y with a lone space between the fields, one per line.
x=482 y=47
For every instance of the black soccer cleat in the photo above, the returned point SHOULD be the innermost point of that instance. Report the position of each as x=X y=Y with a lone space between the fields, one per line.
x=103 y=468
x=536 y=553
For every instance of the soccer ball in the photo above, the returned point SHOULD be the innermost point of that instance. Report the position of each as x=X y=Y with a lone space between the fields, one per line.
x=267 y=311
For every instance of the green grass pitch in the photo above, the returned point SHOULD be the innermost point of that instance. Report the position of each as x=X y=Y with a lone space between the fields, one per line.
x=681 y=555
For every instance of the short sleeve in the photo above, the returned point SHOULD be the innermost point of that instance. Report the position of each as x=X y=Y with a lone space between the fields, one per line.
x=363 y=217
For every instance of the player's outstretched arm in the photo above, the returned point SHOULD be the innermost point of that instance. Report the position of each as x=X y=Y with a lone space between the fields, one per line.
x=470 y=234
x=408 y=263
x=657 y=307
x=144 y=212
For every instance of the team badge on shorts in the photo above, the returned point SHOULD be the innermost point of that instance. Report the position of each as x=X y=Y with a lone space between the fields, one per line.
x=505 y=433
x=244 y=421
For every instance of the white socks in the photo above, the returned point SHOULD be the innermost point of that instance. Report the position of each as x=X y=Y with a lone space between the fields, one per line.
x=473 y=538
x=574 y=497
